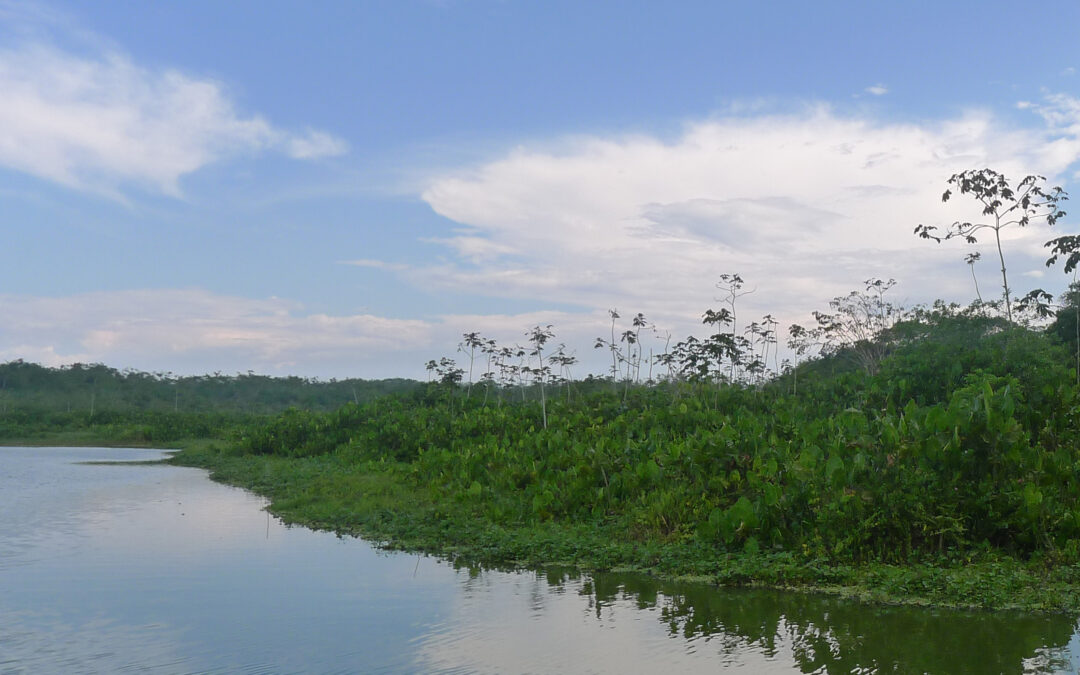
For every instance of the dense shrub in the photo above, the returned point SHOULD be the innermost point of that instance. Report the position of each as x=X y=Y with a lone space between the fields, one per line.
x=965 y=439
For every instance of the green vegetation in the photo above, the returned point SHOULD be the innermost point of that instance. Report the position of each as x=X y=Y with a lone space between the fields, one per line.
x=945 y=472
x=96 y=405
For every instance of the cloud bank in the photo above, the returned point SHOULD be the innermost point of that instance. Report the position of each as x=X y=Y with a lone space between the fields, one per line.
x=805 y=206
x=195 y=331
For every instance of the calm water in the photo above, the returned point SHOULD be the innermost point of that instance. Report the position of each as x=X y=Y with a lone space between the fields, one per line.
x=155 y=569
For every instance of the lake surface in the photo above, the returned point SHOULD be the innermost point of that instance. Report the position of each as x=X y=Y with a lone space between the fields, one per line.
x=156 y=569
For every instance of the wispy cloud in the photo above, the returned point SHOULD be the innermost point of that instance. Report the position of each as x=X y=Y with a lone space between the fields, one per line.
x=877 y=90
x=93 y=119
x=375 y=264
x=1061 y=111
x=314 y=144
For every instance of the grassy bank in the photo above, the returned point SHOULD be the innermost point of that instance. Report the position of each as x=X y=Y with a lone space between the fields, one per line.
x=946 y=474
x=380 y=501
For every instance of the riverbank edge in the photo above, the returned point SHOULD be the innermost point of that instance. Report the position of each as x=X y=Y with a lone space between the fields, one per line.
x=377 y=502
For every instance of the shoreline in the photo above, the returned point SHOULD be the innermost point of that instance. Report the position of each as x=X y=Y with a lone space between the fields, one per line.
x=375 y=501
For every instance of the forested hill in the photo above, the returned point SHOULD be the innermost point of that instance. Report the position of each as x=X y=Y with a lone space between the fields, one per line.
x=28 y=387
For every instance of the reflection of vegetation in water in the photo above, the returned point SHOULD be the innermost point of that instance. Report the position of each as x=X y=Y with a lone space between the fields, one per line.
x=830 y=635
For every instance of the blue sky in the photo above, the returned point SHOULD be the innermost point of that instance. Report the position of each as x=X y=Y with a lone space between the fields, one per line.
x=343 y=189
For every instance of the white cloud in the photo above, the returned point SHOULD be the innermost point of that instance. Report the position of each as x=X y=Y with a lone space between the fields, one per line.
x=101 y=122
x=314 y=144
x=1061 y=111
x=805 y=206
x=877 y=90
x=375 y=264
x=197 y=331
x=476 y=249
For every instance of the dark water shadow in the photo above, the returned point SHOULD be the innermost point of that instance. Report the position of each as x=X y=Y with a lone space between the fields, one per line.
x=826 y=634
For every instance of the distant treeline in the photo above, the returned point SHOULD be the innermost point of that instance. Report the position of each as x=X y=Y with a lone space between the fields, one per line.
x=95 y=389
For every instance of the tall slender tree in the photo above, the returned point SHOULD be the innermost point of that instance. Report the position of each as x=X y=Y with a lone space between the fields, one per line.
x=732 y=285
x=539 y=337
x=1002 y=206
x=470 y=343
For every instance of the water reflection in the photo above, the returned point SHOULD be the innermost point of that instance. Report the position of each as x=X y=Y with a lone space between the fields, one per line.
x=156 y=569
x=829 y=635
x=560 y=621
x=92 y=645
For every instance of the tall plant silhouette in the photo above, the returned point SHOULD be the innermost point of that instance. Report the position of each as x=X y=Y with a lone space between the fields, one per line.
x=1003 y=206
x=539 y=337
x=800 y=341
x=732 y=285
x=470 y=343
x=857 y=323
x=612 y=346
x=971 y=259
x=564 y=361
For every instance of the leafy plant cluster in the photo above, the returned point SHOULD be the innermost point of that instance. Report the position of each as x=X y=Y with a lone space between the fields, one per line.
x=962 y=439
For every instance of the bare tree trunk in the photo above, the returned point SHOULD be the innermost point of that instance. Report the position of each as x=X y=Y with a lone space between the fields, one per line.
x=1004 y=278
